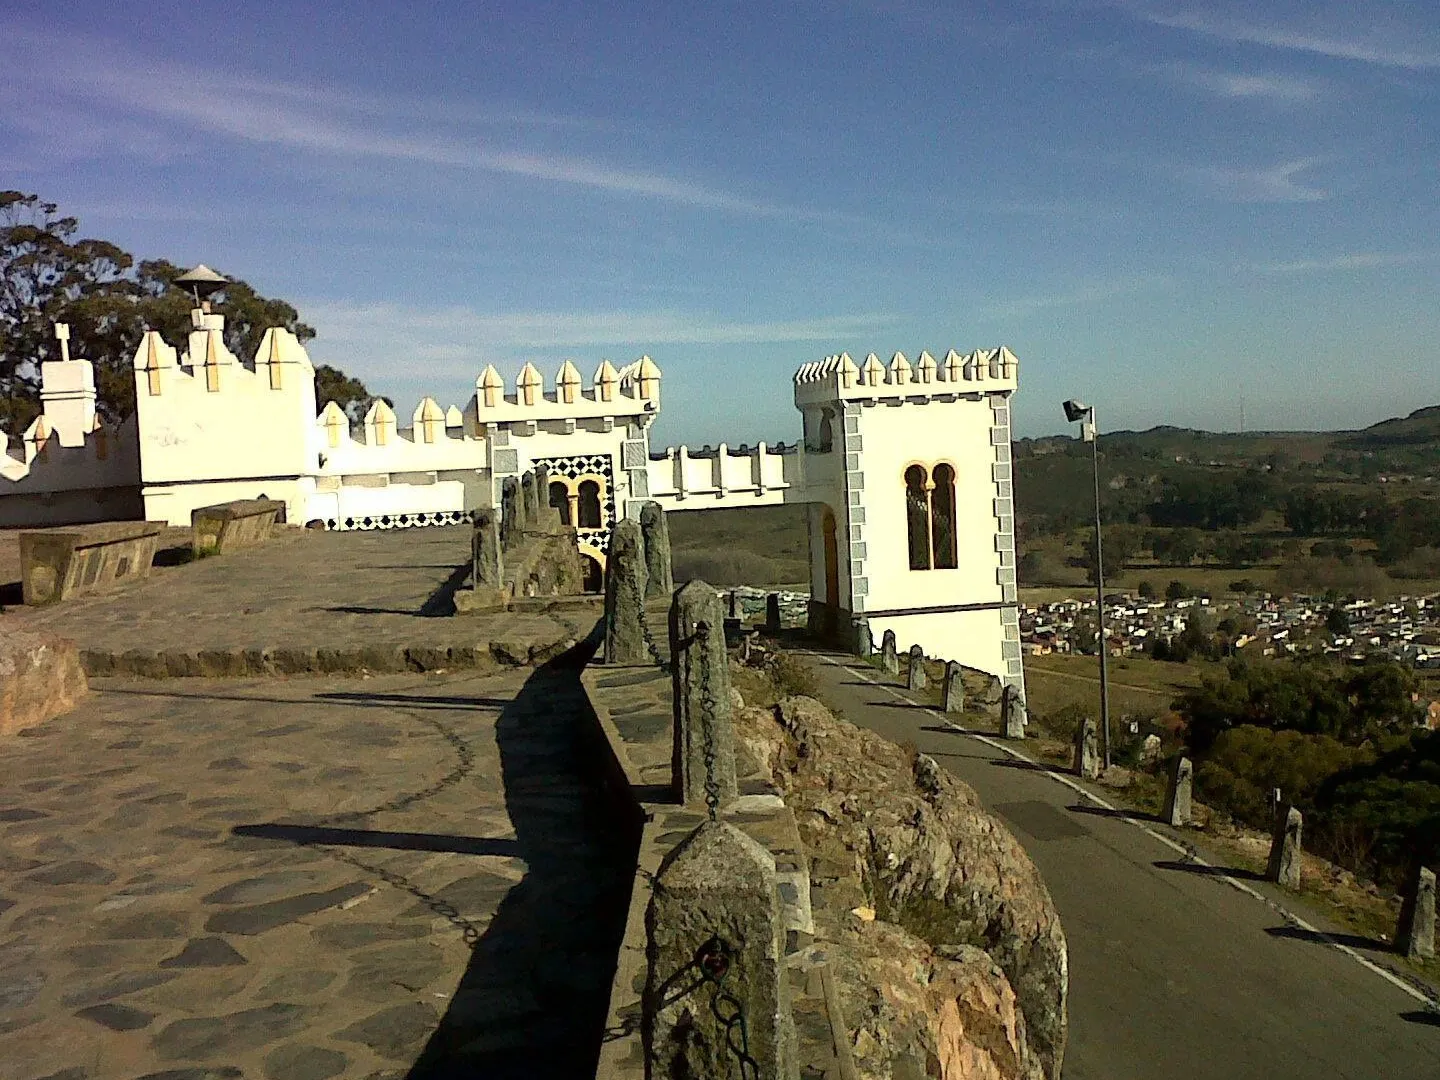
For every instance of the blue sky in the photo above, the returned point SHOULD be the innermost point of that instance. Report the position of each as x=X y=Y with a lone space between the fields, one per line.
x=1163 y=207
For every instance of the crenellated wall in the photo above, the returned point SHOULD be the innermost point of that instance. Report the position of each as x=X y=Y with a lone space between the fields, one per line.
x=883 y=446
x=685 y=479
x=70 y=467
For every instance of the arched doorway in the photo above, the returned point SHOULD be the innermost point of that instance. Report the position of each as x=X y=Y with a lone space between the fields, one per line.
x=593 y=576
x=832 y=571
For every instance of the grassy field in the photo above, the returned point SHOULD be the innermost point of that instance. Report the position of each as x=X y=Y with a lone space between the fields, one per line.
x=764 y=546
x=1139 y=688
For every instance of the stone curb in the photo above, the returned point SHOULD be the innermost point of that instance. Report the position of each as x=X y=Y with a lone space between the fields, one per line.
x=305 y=660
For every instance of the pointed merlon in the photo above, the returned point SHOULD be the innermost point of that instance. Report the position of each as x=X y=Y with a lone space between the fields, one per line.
x=926 y=367
x=900 y=372
x=950 y=367
x=606 y=379
x=530 y=384
x=567 y=383
x=874 y=370
x=647 y=378
x=490 y=386
x=849 y=373
x=454 y=418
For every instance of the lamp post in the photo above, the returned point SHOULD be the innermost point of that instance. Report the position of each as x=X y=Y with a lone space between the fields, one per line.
x=1085 y=415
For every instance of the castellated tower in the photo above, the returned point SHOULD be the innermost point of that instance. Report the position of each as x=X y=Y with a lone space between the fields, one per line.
x=593 y=441
x=213 y=429
x=911 y=518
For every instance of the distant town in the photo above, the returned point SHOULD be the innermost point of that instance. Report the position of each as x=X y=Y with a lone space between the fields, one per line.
x=1406 y=629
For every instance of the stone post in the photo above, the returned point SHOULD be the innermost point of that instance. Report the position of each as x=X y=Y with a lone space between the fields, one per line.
x=714 y=907
x=915 y=672
x=1012 y=713
x=531 y=497
x=488 y=564
x=1087 y=753
x=660 y=577
x=547 y=516
x=889 y=657
x=1415 y=937
x=1177 y=793
x=511 y=511
x=704 y=733
x=772 y=613
x=864 y=640
x=625 y=595
x=954 y=688
x=1284 y=867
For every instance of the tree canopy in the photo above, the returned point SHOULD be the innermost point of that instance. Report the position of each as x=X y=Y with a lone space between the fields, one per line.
x=49 y=274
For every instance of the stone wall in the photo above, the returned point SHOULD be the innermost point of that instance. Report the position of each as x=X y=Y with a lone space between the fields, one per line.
x=956 y=935
x=919 y=938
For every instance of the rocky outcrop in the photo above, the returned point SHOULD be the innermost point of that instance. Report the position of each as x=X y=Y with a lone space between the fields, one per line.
x=945 y=939
x=40 y=678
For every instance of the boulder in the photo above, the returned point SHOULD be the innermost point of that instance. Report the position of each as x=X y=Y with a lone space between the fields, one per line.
x=912 y=847
x=40 y=678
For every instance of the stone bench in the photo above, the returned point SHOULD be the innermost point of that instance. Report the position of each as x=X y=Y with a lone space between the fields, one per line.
x=56 y=564
x=227 y=526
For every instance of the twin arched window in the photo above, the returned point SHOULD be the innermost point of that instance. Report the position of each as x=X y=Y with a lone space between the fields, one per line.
x=579 y=502
x=930 y=516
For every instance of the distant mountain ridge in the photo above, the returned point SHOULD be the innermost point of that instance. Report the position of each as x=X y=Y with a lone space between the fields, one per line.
x=1421 y=426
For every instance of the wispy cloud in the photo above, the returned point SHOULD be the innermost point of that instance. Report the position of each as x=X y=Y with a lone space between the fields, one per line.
x=1368 y=38
x=1084 y=295
x=386 y=336
x=1279 y=183
x=1357 y=260
x=320 y=120
x=1274 y=88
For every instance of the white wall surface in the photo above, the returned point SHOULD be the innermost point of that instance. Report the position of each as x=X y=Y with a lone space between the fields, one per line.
x=895 y=436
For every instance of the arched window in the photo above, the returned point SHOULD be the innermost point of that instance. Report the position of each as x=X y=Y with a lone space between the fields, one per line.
x=560 y=500
x=942 y=517
x=917 y=514
x=589 y=509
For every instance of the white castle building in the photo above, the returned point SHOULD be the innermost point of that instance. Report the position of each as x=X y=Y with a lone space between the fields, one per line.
x=904 y=467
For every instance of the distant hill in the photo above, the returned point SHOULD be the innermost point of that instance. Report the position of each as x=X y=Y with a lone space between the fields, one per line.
x=1052 y=476
x=1421 y=426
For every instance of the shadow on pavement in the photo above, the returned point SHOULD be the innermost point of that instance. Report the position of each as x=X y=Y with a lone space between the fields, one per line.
x=348 y=697
x=308 y=835
x=1123 y=815
x=1236 y=872
x=907 y=706
x=1030 y=766
x=534 y=996
x=338 y=698
x=1429 y=1017
x=1355 y=941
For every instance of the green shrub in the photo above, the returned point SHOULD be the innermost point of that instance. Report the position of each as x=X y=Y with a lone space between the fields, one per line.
x=1392 y=803
x=1246 y=763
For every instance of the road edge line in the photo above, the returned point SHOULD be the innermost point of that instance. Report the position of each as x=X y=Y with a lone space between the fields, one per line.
x=1288 y=916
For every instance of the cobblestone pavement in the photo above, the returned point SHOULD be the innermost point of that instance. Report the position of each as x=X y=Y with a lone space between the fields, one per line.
x=203 y=880
x=305 y=588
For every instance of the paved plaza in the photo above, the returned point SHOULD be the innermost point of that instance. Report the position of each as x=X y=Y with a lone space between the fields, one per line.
x=303 y=878
x=304 y=589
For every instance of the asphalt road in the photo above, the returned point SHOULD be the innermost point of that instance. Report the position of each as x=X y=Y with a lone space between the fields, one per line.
x=1174 y=972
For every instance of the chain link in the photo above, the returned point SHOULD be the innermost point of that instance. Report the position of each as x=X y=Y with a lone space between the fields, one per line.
x=656 y=656
x=707 y=719
x=713 y=960
x=468 y=930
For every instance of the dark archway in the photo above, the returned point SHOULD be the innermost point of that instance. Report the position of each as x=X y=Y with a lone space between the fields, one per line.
x=589 y=509
x=593 y=575
x=560 y=500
